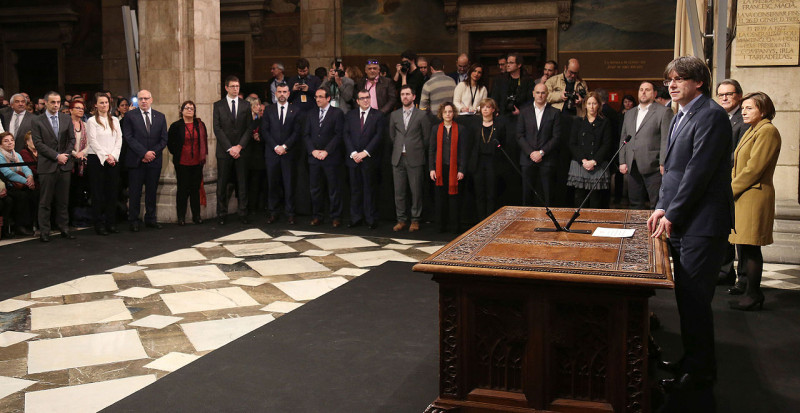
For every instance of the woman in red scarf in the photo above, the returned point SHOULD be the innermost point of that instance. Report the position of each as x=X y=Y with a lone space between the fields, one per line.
x=187 y=141
x=447 y=160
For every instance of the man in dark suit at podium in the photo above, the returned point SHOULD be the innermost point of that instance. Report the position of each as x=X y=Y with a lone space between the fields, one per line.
x=362 y=136
x=695 y=211
x=323 y=139
x=538 y=133
x=279 y=131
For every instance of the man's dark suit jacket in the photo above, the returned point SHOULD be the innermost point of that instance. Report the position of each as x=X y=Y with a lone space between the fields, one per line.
x=738 y=126
x=139 y=141
x=231 y=132
x=532 y=138
x=385 y=93
x=50 y=146
x=296 y=96
x=696 y=187
x=454 y=76
x=25 y=125
x=357 y=140
x=327 y=137
x=523 y=92
x=275 y=133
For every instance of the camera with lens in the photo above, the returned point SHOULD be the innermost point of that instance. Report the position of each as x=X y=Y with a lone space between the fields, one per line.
x=339 y=66
x=511 y=103
x=572 y=97
x=405 y=66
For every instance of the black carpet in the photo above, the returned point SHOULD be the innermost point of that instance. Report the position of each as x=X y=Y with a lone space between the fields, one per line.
x=368 y=346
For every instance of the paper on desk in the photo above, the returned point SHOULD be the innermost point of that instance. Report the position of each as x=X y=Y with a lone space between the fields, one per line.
x=613 y=232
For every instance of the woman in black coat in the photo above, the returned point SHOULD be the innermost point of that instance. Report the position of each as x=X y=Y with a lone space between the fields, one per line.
x=485 y=157
x=589 y=144
x=187 y=141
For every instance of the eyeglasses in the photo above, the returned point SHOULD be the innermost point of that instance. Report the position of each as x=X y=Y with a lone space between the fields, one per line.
x=363 y=98
x=725 y=95
x=679 y=80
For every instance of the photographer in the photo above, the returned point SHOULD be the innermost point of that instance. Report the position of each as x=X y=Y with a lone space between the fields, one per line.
x=303 y=87
x=341 y=87
x=407 y=73
x=567 y=92
x=514 y=88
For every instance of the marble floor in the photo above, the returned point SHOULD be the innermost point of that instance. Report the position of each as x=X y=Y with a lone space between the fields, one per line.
x=82 y=345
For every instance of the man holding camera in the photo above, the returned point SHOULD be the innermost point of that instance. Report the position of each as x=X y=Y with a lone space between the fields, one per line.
x=303 y=87
x=341 y=87
x=407 y=73
x=513 y=88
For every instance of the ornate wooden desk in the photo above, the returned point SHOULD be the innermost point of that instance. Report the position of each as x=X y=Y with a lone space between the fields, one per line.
x=537 y=321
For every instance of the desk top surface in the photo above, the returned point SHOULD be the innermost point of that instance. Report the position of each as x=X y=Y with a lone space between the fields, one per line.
x=506 y=245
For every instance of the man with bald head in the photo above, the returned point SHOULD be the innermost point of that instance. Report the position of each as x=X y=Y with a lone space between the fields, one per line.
x=538 y=135
x=145 y=132
x=462 y=67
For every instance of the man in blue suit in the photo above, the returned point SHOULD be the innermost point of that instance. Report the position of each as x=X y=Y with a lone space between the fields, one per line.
x=145 y=132
x=362 y=137
x=279 y=131
x=323 y=139
x=695 y=211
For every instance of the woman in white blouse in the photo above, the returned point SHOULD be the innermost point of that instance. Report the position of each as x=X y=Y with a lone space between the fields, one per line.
x=469 y=93
x=105 y=142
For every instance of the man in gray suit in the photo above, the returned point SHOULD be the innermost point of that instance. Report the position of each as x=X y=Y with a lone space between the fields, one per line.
x=232 y=119
x=54 y=139
x=18 y=121
x=408 y=130
x=642 y=159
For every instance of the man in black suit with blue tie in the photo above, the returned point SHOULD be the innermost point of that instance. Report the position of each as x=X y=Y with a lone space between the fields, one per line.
x=54 y=139
x=145 y=132
x=695 y=211
x=232 y=119
x=362 y=138
x=323 y=139
x=538 y=134
x=279 y=129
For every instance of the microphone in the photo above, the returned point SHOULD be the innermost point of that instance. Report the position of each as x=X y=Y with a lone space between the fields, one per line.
x=549 y=213
x=596 y=181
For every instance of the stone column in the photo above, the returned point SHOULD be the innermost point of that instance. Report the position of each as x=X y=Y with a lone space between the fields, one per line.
x=180 y=60
x=319 y=31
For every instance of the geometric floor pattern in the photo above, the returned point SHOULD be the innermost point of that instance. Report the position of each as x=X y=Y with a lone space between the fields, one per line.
x=82 y=345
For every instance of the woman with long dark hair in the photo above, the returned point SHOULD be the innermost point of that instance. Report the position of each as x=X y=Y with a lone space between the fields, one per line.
x=469 y=94
x=105 y=142
x=187 y=141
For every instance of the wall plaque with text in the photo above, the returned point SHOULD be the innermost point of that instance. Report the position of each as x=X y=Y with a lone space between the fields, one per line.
x=768 y=12
x=768 y=45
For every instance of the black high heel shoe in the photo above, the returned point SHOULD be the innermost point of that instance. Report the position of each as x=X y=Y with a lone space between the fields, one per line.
x=748 y=303
x=738 y=288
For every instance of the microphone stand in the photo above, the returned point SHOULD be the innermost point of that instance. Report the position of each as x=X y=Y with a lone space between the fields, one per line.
x=558 y=227
x=596 y=181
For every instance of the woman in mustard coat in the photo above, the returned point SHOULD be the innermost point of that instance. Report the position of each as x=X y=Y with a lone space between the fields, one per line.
x=753 y=192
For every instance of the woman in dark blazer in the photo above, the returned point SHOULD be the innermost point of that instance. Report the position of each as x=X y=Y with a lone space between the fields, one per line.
x=187 y=141
x=485 y=157
x=754 y=162
x=447 y=159
x=589 y=144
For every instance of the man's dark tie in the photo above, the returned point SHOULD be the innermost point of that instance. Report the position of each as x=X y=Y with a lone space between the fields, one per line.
x=321 y=116
x=281 y=118
x=147 y=123
x=362 y=120
x=675 y=126
x=233 y=109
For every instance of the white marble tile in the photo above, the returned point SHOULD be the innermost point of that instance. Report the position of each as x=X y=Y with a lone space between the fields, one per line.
x=316 y=253
x=288 y=238
x=248 y=234
x=264 y=248
x=9 y=241
x=207 y=244
x=399 y=247
x=185 y=275
x=226 y=260
x=181 y=255
x=156 y=321
x=408 y=241
x=90 y=397
x=171 y=361
x=250 y=281
x=7 y=306
x=355 y=272
x=341 y=242
x=303 y=290
x=210 y=335
x=137 y=292
x=11 y=385
x=207 y=300
x=431 y=249
x=777 y=275
x=83 y=285
x=777 y=267
x=281 y=306
x=9 y=338
x=126 y=269
x=90 y=312
x=783 y=285
x=304 y=233
x=88 y=350
x=374 y=258
x=287 y=266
